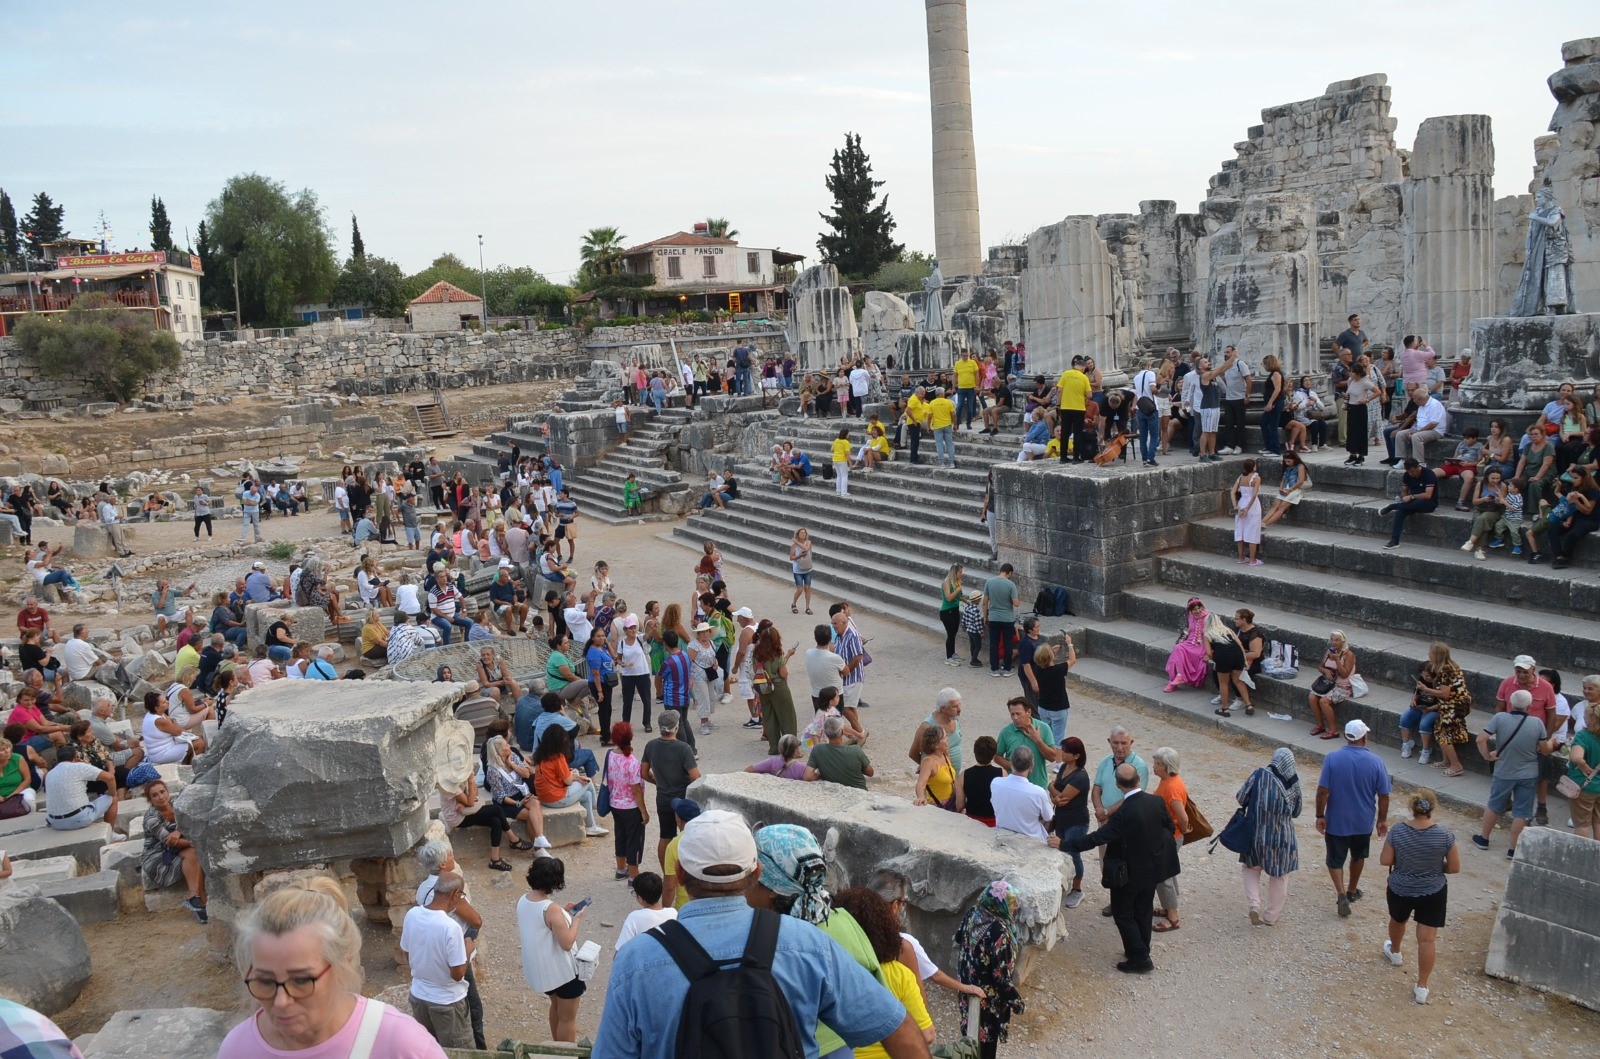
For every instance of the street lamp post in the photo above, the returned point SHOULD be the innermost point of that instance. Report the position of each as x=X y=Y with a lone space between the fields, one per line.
x=483 y=289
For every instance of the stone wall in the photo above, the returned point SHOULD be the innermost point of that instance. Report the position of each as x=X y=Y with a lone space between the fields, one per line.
x=367 y=363
x=1545 y=935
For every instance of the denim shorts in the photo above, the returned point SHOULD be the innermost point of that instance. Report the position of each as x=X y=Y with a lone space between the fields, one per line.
x=802 y=580
x=1414 y=720
x=1518 y=795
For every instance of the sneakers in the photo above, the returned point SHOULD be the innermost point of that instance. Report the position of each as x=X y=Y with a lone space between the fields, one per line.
x=1480 y=554
x=596 y=832
x=1480 y=842
x=727 y=698
x=1255 y=917
x=1467 y=547
x=1497 y=544
x=1074 y=898
x=1516 y=549
x=1236 y=705
x=1419 y=993
x=1425 y=757
x=705 y=727
x=1392 y=544
x=198 y=907
x=1541 y=816
x=995 y=673
x=952 y=661
x=976 y=664
x=1216 y=700
x=1406 y=747
x=540 y=842
x=751 y=723
x=1392 y=956
x=1007 y=672
x=1344 y=905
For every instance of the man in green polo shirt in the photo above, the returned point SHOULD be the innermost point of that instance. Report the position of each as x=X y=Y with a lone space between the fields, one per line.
x=1025 y=730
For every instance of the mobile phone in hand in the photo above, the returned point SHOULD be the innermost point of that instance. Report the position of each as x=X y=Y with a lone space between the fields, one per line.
x=581 y=905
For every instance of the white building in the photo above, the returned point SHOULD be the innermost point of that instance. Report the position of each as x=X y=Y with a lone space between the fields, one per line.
x=444 y=307
x=694 y=271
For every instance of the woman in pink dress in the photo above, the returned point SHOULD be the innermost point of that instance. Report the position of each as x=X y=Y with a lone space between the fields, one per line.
x=1187 y=662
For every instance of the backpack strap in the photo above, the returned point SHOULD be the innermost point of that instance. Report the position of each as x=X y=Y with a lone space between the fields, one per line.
x=762 y=944
x=686 y=952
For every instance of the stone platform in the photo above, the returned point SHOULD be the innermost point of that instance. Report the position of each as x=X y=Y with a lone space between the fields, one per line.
x=1521 y=361
x=1547 y=934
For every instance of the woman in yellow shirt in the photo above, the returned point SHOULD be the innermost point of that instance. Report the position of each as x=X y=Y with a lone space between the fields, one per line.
x=877 y=920
x=936 y=775
x=876 y=450
x=841 y=461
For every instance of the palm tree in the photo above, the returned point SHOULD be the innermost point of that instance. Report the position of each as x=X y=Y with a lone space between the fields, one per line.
x=602 y=249
x=718 y=228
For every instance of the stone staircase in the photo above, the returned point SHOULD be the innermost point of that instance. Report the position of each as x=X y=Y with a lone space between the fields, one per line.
x=432 y=421
x=598 y=489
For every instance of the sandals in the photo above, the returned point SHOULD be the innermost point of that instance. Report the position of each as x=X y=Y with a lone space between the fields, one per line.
x=1164 y=926
x=1330 y=735
x=519 y=845
x=499 y=865
x=793 y=609
x=1223 y=712
x=1454 y=772
x=808 y=610
x=1249 y=711
x=1318 y=730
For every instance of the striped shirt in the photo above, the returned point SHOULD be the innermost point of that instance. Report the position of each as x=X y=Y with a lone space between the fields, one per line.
x=848 y=647
x=675 y=681
x=1419 y=856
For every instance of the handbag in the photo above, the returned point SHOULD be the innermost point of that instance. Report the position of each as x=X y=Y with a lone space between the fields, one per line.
x=1322 y=685
x=586 y=960
x=1568 y=787
x=1358 y=685
x=602 y=801
x=1113 y=872
x=1199 y=826
x=1239 y=834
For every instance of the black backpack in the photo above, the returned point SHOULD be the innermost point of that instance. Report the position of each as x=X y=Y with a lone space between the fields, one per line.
x=736 y=1011
x=1044 y=604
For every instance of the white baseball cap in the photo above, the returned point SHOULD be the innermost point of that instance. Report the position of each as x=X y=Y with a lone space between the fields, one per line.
x=1356 y=731
x=1524 y=662
x=744 y=612
x=717 y=837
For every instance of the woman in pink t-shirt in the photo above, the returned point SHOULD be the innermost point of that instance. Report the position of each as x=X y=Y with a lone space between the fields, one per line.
x=300 y=954
x=627 y=800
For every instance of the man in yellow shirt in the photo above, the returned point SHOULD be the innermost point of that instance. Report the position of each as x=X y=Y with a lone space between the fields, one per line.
x=1075 y=387
x=942 y=421
x=966 y=369
x=916 y=417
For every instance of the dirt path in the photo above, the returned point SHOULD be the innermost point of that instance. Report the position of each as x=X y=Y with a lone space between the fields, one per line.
x=1315 y=984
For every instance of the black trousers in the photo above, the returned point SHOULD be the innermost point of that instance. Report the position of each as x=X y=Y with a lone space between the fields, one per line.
x=1231 y=434
x=952 y=624
x=1071 y=427
x=1132 y=910
x=632 y=686
x=436 y=494
x=200 y=520
x=915 y=433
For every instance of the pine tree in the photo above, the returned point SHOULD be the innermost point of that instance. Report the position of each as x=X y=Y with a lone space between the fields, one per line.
x=8 y=227
x=209 y=295
x=160 y=226
x=357 y=247
x=43 y=222
x=861 y=241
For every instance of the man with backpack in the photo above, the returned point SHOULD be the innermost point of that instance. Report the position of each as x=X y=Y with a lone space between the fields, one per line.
x=789 y=975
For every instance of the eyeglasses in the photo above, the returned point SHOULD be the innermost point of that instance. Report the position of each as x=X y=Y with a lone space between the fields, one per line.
x=297 y=987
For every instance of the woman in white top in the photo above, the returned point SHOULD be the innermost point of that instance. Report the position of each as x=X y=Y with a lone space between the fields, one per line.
x=373 y=589
x=800 y=565
x=1246 y=494
x=165 y=741
x=549 y=933
x=406 y=600
x=633 y=669
x=182 y=706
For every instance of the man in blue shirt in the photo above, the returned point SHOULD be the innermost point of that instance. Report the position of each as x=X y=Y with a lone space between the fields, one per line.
x=1354 y=786
x=718 y=866
x=672 y=683
x=535 y=714
x=257 y=585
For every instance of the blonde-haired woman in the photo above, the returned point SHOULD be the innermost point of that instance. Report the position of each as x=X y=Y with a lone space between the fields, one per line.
x=370 y=585
x=950 y=590
x=800 y=564
x=182 y=706
x=1332 y=685
x=1226 y=652
x=1419 y=854
x=300 y=954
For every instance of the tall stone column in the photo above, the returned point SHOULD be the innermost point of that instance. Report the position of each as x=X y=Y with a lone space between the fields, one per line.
x=1069 y=297
x=1449 y=225
x=955 y=161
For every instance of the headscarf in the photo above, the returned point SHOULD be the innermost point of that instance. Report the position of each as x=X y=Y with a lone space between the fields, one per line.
x=792 y=866
x=987 y=947
x=1283 y=770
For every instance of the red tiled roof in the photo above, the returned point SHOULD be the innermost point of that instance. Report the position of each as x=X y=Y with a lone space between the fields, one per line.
x=679 y=239
x=444 y=292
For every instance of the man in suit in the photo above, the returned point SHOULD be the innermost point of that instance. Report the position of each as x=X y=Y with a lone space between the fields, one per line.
x=1139 y=834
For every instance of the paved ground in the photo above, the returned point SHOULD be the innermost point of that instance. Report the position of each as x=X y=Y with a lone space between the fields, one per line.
x=1314 y=979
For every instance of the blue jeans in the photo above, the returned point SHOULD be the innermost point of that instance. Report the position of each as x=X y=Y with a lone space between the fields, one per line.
x=236 y=636
x=584 y=761
x=1407 y=508
x=1194 y=433
x=966 y=405
x=443 y=625
x=1269 y=430
x=1057 y=720
x=279 y=654
x=61 y=577
x=1075 y=831
x=741 y=379
x=944 y=444
x=251 y=520
x=1414 y=720
x=657 y=398
x=1149 y=427
x=706 y=501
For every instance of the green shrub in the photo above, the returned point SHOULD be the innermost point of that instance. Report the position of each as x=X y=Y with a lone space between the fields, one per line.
x=110 y=348
x=282 y=551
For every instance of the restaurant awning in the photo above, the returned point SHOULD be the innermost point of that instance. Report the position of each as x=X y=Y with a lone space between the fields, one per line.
x=113 y=272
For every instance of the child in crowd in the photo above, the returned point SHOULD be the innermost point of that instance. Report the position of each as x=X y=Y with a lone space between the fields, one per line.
x=1510 y=524
x=632 y=504
x=1464 y=464
x=647 y=888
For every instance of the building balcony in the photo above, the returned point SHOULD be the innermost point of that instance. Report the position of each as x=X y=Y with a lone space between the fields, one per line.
x=52 y=301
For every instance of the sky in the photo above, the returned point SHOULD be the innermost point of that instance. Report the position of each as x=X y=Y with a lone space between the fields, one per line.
x=530 y=122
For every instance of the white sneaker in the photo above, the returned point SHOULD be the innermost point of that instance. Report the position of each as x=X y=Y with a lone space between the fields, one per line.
x=1467 y=547
x=952 y=661
x=1236 y=705
x=595 y=832
x=1425 y=757
x=540 y=842
x=1405 y=748
x=1216 y=700
x=727 y=698
x=1419 y=994
x=1392 y=956
x=705 y=728
x=1480 y=554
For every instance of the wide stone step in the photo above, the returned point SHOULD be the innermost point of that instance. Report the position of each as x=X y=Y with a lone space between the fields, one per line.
x=899 y=475
x=1498 y=579
x=879 y=529
x=1383 y=654
x=906 y=581
x=1467 y=792
x=1569 y=642
x=1443 y=526
x=1145 y=647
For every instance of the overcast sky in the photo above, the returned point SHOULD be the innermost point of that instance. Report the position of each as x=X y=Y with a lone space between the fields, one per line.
x=530 y=122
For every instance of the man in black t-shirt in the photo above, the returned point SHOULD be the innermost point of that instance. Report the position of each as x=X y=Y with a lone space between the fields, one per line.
x=1418 y=495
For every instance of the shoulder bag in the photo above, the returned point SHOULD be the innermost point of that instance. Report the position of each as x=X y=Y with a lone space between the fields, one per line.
x=1199 y=826
x=602 y=801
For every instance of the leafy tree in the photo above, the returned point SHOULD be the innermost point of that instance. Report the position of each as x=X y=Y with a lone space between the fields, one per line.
x=357 y=247
x=501 y=283
x=9 y=247
x=280 y=243
x=718 y=228
x=160 y=226
x=112 y=348
x=373 y=282
x=43 y=222
x=860 y=241
x=905 y=273
x=601 y=251
x=541 y=298
x=211 y=282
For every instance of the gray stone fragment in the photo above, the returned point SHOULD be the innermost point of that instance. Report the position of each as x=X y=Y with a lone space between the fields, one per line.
x=89 y=898
x=44 y=961
x=1544 y=935
x=172 y=1033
